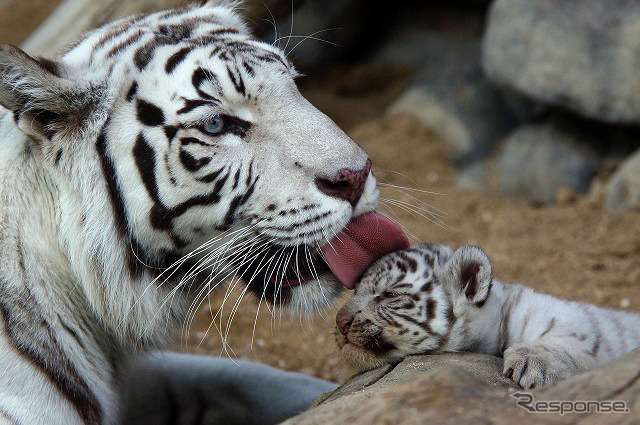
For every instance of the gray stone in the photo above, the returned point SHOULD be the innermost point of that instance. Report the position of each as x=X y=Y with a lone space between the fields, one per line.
x=583 y=55
x=623 y=190
x=538 y=160
x=469 y=389
x=450 y=94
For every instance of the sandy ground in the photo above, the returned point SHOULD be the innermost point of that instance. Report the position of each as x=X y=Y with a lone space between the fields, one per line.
x=573 y=250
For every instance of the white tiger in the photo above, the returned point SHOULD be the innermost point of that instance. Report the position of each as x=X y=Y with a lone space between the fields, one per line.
x=157 y=150
x=430 y=299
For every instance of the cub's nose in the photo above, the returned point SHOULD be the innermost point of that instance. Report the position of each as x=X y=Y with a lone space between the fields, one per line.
x=347 y=184
x=344 y=319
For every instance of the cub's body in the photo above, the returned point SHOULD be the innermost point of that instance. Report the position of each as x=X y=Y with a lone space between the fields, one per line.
x=430 y=299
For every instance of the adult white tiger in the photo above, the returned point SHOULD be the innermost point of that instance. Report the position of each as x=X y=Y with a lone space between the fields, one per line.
x=145 y=139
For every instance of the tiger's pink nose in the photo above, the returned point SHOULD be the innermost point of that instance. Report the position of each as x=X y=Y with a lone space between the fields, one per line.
x=344 y=320
x=347 y=184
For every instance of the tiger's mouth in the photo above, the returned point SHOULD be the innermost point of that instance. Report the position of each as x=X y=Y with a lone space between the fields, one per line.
x=347 y=255
x=277 y=269
x=286 y=267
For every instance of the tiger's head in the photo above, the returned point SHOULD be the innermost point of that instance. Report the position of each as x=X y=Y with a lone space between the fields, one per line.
x=176 y=140
x=415 y=301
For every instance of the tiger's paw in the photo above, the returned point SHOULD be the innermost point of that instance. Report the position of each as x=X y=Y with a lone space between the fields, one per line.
x=532 y=366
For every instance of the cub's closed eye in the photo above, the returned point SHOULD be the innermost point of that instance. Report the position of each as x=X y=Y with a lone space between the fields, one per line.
x=389 y=294
x=222 y=124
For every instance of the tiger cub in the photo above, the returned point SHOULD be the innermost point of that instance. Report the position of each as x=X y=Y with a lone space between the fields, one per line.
x=430 y=299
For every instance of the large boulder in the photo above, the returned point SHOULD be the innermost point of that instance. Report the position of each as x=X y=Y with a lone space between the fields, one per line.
x=450 y=94
x=583 y=55
x=538 y=160
x=469 y=389
x=623 y=190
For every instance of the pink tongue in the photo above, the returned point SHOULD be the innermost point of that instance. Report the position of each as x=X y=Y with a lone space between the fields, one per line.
x=365 y=239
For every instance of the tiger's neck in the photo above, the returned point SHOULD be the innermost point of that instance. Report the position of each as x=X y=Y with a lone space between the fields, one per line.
x=46 y=249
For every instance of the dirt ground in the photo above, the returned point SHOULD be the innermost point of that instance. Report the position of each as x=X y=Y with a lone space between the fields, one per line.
x=573 y=250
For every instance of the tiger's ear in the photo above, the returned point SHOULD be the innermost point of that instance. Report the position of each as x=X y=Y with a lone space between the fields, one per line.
x=44 y=101
x=468 y=273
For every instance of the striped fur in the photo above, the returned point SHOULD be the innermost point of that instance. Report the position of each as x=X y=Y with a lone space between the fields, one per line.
x=151 y=146
x=429 y=299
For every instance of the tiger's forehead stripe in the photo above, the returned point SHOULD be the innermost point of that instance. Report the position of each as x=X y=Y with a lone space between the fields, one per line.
x=193 y=28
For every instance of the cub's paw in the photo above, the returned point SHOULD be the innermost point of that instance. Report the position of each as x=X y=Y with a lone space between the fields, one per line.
x=532 y=366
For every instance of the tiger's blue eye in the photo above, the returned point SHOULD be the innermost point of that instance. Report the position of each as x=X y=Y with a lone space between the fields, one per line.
x=215 y=125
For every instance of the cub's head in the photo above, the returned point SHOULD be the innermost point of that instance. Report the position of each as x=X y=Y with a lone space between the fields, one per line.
x=412 y=301
x=178 y=139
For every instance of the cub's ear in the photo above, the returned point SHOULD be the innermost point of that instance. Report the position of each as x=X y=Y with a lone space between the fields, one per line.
x=44 y=101
x=468 y=273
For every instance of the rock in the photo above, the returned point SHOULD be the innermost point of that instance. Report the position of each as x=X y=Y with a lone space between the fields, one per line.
x=583 y=55
x=406 y=393
x=473 y=176
x=450 y=94
x=538 y=160
x=623 y=190
x=468 y=389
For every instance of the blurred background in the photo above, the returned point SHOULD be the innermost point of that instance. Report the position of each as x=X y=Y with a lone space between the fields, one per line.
x=509 y=124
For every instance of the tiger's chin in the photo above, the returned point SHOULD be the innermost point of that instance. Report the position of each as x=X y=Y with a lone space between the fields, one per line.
x=361 y=358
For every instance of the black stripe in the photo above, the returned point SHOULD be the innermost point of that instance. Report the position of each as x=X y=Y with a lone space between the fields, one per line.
x=222 y=31
x=249 y=69
x=149 y=114
x=236 y=179
x=115 y=195
x=144 y=54
x=191 y=104
x=193 y=164
x=110 y=35
x=176 y=59
x=193 y=141
x=58 y=157
x=32 y=337
x=170 y=131
x=199 y=76
x=145 y=159
x=132 y=91
x=175 y=32
x=237 y=202
x=237 y=81
x=117 y=204
x=211 y=176
x=118 y=48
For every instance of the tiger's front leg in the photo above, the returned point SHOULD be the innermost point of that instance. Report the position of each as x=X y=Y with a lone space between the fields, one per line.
x=162 y=388
x=546 y=360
